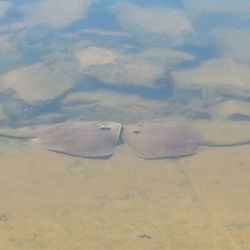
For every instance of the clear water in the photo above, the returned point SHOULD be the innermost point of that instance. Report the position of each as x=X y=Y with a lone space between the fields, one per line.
x=183 y=61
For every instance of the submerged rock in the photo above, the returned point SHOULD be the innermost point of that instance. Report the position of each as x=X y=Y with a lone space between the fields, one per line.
x=232 y=110
x=109 y=105
x=223 y=133
x=222 y=75
x=169 y=26
x=37 y=83
x=114 y=67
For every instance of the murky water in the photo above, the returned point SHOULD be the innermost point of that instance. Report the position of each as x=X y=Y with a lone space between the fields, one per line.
x=180 y=62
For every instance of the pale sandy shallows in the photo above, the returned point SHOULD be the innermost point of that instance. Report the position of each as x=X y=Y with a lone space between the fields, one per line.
x=53 y=201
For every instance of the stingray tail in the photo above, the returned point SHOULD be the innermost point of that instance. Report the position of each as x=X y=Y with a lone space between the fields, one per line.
x=20 y=133
x=212 y=144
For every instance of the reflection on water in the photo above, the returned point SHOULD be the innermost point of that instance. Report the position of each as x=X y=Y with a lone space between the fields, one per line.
x=179 y=62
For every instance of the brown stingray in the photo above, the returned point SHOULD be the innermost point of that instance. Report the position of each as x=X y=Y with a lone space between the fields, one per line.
x=84 y=139
x=152 y=140
x=99 y=139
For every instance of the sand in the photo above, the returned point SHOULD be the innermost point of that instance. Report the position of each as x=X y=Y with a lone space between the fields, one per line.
x=53 y=201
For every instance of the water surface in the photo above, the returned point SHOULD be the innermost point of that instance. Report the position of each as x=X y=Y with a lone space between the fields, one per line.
x=127 y=62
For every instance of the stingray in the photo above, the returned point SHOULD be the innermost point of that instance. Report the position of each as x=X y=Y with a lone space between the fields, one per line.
x=94 y=139
x=83 y=139
x=154 y=141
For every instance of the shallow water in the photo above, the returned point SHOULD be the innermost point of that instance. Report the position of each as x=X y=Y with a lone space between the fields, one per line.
x=52 y=201
x=178 y=62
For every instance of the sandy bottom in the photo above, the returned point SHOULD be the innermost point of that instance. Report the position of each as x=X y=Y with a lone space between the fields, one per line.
x=54 y=201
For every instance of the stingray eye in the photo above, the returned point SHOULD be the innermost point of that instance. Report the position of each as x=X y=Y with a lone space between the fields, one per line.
x=136 y=132
x=105 y=128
